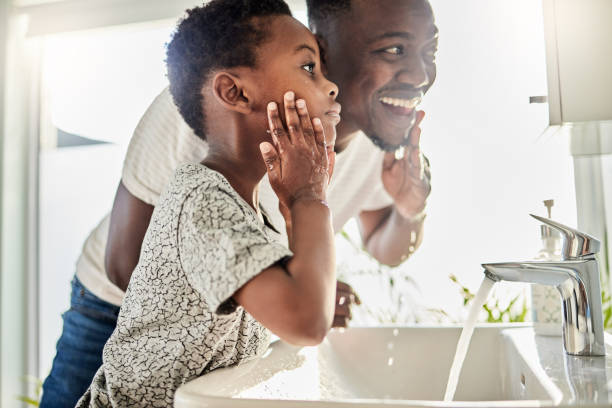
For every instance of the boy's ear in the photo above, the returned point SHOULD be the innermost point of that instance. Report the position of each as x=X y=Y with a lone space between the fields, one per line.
x=230 y=92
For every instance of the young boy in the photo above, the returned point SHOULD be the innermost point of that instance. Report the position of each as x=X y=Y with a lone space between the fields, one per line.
x=212 y=280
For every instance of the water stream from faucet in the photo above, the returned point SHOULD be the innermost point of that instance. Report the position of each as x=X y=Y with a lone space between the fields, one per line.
x=466 y=335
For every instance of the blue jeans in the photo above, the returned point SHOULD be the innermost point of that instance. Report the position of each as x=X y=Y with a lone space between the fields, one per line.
x=88 y=324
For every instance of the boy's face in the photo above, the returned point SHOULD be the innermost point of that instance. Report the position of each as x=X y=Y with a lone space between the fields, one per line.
x=289 y=61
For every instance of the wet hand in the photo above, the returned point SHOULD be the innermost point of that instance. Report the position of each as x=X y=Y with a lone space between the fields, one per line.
x=407 y=179
x=345 y=298
x=297 y=161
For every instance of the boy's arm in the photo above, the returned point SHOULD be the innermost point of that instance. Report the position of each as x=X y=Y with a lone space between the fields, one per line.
x=129 y=221
x=297 y=301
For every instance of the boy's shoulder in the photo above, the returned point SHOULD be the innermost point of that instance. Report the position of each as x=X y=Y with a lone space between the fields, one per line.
x=190 y=178
x=206 y=193
x=192 y=175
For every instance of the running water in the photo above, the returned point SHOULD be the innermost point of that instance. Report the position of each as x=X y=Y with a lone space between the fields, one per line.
x=466 y=335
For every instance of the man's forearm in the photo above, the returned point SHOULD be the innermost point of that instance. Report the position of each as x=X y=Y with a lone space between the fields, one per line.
x=395 y=238
x=129 y=221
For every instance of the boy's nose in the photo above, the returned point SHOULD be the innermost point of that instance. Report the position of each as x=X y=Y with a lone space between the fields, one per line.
x=333 y=90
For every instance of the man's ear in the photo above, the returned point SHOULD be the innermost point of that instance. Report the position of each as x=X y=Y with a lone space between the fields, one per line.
x=322 y=42
x=230 y=92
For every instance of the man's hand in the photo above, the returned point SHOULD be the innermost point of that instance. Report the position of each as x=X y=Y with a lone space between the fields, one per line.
x=407 y=179
x=345 y=297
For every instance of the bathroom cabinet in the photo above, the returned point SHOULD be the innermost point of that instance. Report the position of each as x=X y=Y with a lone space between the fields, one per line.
x=578 y=36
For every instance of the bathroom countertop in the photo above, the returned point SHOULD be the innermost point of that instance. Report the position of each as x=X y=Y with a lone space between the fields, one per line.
x=579 y=381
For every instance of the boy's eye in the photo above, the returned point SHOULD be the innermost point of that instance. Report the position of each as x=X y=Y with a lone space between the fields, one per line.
x=309 y=67
x=395 y=50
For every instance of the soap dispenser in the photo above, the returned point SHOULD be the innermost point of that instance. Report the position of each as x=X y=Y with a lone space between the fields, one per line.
x=545 y=300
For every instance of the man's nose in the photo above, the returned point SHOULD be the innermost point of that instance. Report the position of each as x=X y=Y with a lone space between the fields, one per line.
x=414 y=72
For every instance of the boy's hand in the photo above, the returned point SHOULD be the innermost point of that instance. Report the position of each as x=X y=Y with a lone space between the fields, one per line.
x=286 y=213
x=345 y=298
x=297 y=164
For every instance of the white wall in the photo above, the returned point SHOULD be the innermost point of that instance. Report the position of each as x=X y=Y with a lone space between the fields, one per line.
x=18 y=235
x=3 y=39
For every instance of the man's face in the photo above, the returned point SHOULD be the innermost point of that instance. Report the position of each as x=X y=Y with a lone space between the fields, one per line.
x=382 y=56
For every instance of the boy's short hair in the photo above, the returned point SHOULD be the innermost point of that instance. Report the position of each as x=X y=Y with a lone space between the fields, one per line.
x=213 y=36
x=320 y=11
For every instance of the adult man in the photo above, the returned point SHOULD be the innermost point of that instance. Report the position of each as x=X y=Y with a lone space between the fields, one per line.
x=381 y=54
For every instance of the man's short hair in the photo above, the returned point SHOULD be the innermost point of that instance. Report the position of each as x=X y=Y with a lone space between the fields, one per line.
x=218 y=35
x=320 y=11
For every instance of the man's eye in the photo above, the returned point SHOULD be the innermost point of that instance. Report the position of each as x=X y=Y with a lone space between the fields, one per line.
x=309 y=67
x=397 y=50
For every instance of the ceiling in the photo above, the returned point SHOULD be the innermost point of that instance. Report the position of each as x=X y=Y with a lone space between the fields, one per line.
x=54 y=16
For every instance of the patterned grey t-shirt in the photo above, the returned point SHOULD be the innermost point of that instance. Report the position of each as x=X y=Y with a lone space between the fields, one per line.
x=178 y=320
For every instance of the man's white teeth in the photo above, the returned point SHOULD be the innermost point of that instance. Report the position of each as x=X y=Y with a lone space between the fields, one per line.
x=404 y=103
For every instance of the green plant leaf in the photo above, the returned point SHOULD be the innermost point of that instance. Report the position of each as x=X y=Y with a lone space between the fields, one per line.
x=28 y=400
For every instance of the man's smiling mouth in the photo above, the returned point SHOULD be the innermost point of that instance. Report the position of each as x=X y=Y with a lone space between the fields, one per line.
x=410 y=103
x=400 y=107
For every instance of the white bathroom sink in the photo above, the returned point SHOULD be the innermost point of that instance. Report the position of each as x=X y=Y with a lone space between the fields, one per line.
x=390 y=367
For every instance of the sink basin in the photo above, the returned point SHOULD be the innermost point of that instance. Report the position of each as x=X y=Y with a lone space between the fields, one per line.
x=385 y=366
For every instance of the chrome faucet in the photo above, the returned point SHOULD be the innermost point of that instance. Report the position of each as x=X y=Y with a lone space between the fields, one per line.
x=576 y=277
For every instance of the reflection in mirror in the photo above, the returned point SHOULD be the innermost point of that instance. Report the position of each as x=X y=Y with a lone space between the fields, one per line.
x=493 y=158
